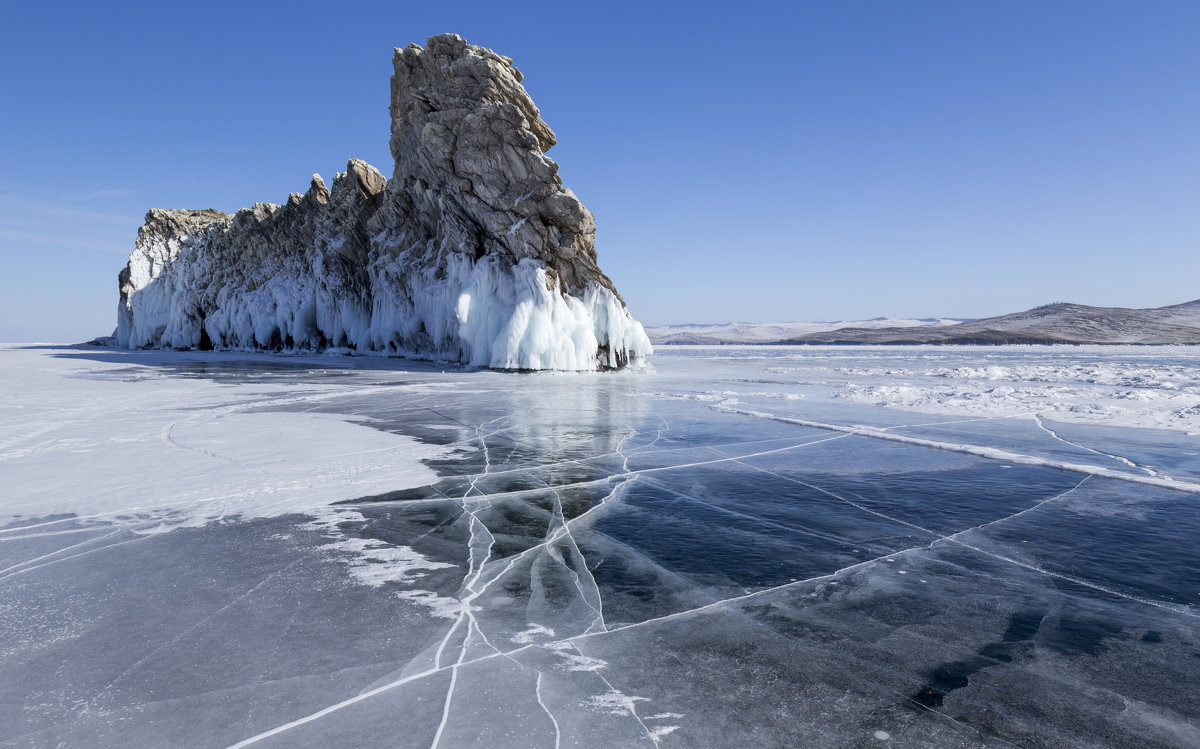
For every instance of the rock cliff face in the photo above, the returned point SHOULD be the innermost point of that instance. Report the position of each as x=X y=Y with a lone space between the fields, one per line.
x=473 y=251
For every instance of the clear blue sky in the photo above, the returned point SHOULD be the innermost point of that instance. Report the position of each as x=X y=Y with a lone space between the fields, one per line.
x=745 y=161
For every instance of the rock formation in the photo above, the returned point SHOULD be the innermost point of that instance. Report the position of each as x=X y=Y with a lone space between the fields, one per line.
x=473 y=251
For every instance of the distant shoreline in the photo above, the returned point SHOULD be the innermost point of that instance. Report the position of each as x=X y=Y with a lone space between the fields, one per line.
x=906 y=344
x=1049 y=325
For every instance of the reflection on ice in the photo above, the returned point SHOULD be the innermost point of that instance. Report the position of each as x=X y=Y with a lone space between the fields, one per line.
x=718 y=554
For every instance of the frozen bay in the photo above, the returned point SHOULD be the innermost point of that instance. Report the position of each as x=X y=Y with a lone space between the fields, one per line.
x=768 y=546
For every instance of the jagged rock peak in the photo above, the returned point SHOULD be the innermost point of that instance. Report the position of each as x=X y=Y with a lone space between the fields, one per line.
x=448 y=73
x=473 y=251
x=469 y=146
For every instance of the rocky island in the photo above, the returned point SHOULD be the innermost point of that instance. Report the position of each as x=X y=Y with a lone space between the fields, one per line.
x=472 y=252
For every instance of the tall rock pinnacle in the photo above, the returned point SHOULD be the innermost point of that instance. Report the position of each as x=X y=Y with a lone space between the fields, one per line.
x=473 y=251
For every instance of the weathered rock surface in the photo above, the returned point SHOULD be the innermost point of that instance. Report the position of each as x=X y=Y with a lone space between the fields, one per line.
x=473 y=251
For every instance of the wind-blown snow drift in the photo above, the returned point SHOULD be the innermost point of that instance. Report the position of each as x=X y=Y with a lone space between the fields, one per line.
x=472 y=252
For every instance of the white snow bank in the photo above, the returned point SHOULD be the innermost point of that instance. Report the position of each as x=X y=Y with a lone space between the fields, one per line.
x=1151 y=387
x=1161 y=396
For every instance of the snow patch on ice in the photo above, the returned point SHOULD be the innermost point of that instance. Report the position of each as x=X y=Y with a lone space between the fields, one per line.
x=576 y=661
x=533 y=631
x=443 y=607
x=377 y=563
x=614 y=702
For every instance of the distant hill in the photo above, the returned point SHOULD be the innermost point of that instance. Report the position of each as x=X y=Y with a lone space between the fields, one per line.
x=747 y=332
x=1052 y=323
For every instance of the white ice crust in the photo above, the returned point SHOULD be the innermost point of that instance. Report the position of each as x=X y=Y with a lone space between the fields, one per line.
x=1153 y=387
x=485 y=314
x=1116 y=393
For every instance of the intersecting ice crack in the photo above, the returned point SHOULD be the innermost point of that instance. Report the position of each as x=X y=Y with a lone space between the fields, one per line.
x=956 y=538
x=4 y=572
x=478 y=581
x=484 y=573
x=590 y=597
x=475 y=585
x=1088 y=471
x=28 y=565
x=593 y=592
x=480 y=542
x=480 y=535
x=651 y=734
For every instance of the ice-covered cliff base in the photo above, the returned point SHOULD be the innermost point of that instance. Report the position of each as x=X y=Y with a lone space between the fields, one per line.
x=484 y=313
x=472 y=252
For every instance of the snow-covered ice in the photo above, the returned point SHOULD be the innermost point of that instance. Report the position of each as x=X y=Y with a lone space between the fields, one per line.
x=111 y=440
x=762 y=546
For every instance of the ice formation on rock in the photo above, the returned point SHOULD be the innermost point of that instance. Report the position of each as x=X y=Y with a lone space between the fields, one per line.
x=473 y=251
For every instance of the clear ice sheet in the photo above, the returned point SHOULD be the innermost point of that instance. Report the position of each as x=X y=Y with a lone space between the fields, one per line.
x=725 y=552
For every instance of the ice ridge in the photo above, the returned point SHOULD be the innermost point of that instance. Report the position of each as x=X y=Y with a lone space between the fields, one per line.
x=472 y=252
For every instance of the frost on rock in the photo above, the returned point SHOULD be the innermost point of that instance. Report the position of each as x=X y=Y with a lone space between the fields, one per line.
x=472 y=252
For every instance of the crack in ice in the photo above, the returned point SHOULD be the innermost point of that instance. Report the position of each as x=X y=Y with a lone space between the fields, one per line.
x=1041 y=425
x=986 y=452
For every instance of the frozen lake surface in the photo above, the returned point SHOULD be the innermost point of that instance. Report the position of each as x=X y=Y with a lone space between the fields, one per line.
x=775 y=547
